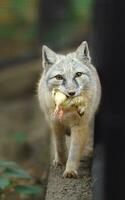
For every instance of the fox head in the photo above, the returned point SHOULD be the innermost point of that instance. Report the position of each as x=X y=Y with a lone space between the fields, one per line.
x=70 y=74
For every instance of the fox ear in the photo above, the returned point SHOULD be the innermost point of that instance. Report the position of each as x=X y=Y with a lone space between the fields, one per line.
x=82 y=52
x=48 y=56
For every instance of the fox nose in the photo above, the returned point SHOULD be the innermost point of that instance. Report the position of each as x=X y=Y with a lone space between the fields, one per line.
x=71 y=93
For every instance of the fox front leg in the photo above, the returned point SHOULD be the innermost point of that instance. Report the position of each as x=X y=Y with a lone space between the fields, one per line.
x=79 y=138
x=59 y=140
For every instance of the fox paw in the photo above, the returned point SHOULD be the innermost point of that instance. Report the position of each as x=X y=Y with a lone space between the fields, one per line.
x=70 y=174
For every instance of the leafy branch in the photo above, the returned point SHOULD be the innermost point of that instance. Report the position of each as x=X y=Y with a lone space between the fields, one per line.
x=15 y=179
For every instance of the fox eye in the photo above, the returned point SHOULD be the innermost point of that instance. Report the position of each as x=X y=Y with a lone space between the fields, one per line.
x=59 y=77
x=78 y=74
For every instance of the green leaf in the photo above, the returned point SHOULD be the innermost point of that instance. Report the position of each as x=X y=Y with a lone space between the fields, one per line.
x=27 y=189
x=4 y=163
x=4 y=182
x=17 y=173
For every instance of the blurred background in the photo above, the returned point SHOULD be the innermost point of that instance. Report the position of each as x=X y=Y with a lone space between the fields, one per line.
x=25 y=25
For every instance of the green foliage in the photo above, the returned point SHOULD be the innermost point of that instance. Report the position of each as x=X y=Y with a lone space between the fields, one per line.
x=5 y=164
x=19 y=16
x=17 y=173
x=82 y=9
x=4 y=183
x=14 y=178
x=27 y=189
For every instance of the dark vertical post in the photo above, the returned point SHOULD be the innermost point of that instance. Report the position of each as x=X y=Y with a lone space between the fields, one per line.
x=109 y=50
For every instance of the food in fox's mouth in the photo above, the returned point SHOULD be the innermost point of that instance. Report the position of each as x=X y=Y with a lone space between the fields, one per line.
x=59 y=98
x=62 y=101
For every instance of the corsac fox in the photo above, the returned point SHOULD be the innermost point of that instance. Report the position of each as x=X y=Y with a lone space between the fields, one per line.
x=69 y=93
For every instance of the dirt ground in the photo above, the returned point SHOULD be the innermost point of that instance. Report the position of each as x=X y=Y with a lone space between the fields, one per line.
x=24 y=135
